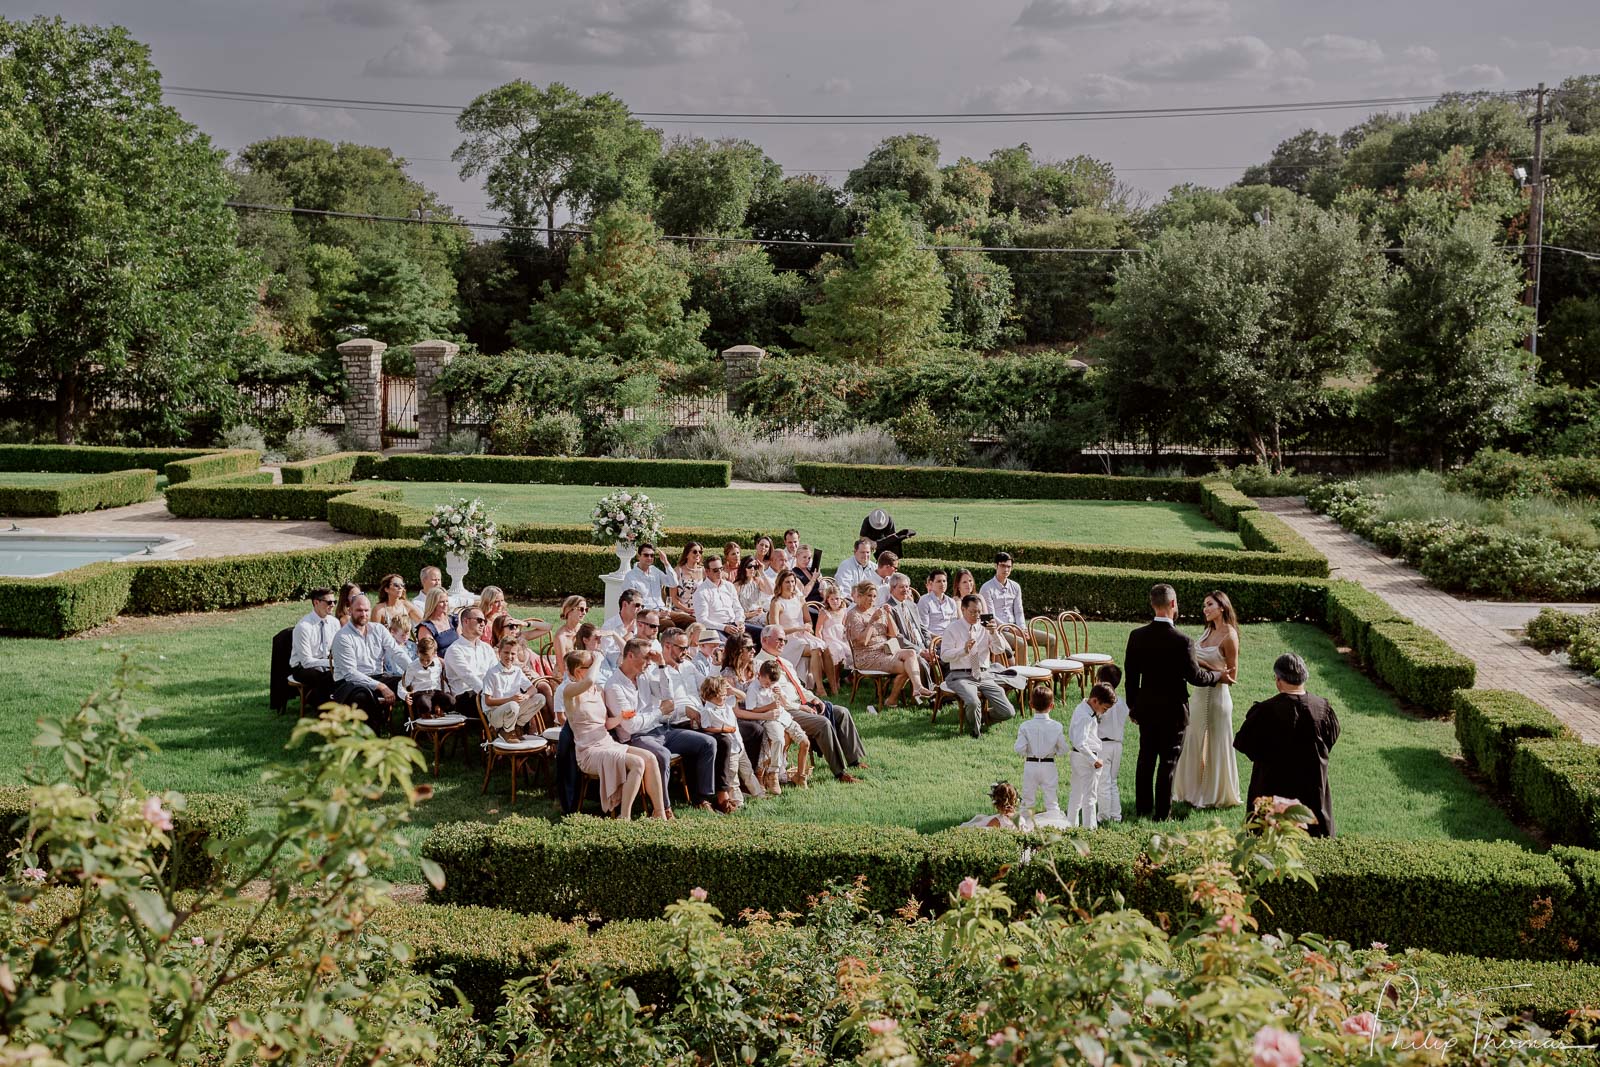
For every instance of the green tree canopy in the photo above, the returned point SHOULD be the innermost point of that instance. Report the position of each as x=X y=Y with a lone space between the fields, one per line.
x=884 y=306
x=707 y=187
x=1056 y=293
x=1032 y=190
x=388 y=298
x=119 y=262
x=622 y=301
x=907 y=163
x=1307 y=164
x=747 y=301
x=803 y=207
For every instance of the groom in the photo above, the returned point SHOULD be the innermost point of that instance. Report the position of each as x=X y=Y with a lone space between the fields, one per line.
x=1160 y=666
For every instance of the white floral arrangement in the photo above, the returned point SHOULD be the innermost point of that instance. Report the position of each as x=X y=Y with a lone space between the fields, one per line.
x=626 y=518
x=462 y=527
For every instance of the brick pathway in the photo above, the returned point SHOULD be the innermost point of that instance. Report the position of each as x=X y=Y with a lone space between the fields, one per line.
x=1503 y=661
x=212 y=537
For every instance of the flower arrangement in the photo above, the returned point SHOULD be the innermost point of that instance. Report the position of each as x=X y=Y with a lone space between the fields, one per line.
x=462 y=527
x=626 y=518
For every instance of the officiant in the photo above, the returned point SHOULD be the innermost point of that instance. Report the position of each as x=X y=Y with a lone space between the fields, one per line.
x=1287 y=738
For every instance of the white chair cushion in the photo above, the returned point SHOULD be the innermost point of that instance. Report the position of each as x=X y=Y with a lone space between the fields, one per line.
x=527 y=744
x=1091 y=657
x=873 y=674
x=442 y=720
x=553 y=734
x=1060 y=664
x=1032 y=671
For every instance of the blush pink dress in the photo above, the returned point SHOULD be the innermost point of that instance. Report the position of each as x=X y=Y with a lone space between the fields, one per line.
x=830 y=627
x=598 y=752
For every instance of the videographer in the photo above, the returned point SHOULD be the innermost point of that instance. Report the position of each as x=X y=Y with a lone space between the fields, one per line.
x=967 y=646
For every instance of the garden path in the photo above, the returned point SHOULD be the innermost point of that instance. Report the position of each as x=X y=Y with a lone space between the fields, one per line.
x=1504 y=662
x=212 y=537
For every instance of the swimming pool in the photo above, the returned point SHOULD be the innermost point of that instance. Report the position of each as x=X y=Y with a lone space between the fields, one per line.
x=32 y=554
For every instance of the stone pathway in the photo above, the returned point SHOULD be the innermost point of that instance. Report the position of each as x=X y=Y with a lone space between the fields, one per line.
x=212 y=537
x=1504 y=662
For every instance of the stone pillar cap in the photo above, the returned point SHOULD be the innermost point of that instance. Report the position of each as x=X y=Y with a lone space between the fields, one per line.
x=362 y=344
x=744 y=350
x=436 y=346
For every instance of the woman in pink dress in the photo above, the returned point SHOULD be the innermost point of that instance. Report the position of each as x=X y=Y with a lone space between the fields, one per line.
x=621 y=769
x=788 y=613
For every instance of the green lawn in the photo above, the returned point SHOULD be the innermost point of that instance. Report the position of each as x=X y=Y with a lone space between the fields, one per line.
x=31 y=478
x=1392 y=775
x=835 y=522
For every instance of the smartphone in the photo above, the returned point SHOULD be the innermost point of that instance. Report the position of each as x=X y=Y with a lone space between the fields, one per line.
x=986 y=618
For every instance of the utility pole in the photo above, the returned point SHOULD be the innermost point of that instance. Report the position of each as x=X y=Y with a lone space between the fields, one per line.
x=1536 y=220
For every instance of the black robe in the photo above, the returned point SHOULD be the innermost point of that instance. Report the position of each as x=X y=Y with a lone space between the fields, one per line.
x=1287 y=739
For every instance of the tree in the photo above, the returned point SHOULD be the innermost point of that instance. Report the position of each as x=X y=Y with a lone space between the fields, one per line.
x=979 y=314
x=885 y=306
x=1306 y=164
x=1451 y=371
x=907 y=163
x=119 y=262
x=539 y=149
x=803 y=207
x=746 y=300
x=1576 y=102
x=1481 y=127
x=388 y=298
x=705 y=187
x=1033 y=191
x=623 y=300
x=1056 y=292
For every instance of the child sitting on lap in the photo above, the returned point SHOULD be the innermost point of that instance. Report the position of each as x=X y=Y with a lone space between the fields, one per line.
x=717 y=716
x=761 y=697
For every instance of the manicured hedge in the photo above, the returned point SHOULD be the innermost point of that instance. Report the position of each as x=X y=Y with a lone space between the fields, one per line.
x=548 y=470
x=1503 y=901
x=849 y=479
x=257 y=498
x=1222 y=503
x=1263 y=532
x=85 y=492
x=208 y=817
x=371 y=513
x=1418 y=665
x=91 y=459
x=327 y=470
x=1546 y=991
x=1490 y=722
x=1060 y=554
x=1556 y=780
x=1352 y=612
x=65 y=603
x=213 y=465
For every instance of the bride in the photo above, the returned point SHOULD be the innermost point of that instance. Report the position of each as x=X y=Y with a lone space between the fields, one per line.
x=1208 y=774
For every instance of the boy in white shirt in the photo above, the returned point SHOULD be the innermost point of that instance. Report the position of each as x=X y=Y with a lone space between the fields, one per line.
x=503 y=687
x=1084 y=733
x=423 y=680
x=1113 y=728
x=761 y=696
x=717 y=716
x=1039 y=741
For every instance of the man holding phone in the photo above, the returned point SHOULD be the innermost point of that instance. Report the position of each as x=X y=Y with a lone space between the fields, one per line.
x=966 y=646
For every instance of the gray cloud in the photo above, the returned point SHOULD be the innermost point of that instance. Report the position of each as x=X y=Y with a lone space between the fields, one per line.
x=1024 y=94
x=1476 y=76
x=1211 y=58
x=1337 y=46
x=1036 y=46
x=375 y=14
x=835 y=87
x=1064 y=14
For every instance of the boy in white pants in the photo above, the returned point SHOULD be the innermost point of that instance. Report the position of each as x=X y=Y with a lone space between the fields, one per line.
x=1084 y=733
x=1113 y=728
x=1039 y=741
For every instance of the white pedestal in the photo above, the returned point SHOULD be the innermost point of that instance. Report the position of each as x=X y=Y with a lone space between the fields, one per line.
x=456 y=567
x=613 y=581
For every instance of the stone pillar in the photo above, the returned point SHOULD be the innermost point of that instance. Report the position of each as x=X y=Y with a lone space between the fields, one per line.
x=363 y=392
x=740 y=364
x=433 y=411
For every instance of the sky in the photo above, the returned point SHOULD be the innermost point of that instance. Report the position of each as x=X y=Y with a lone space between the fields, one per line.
x=850 y=57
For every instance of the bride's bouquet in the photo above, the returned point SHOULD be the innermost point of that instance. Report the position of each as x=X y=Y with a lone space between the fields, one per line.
x=462 y=528
x=626 y=518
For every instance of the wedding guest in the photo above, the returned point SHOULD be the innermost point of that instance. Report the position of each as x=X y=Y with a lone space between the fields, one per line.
x=966 y=585
x=719 y=718
x=888 y=566
x=1004 y=598
x=761 y=733
x=424 y=679
x=763 y=550
x=716 y=602
x=1003 y=795
x=731 y=558
x=347 y=593
x=509 y=701
x=830 y=727
x=869 y=629
x=1113 y=728
x=858 y=568
x=643 y=726
x=468 y=660
x=621 y=770
x=754 y=596
x=1288 y=739
x=761 y=698
x=359 y=651
x=908 y=623
x=492 y=602
x=405 y=649
x=653 y=584
x=675 y=687
x=791 y=542
x=1040 y=740
x=565 y=638
x=436 y=619
x=1084 y=798
x=392 y=603
x=936 y=609
x=788 y=613
x=430 y=579
x=968 y=646
x=690 y=572
x=311 y=653
x=810 y=580
x=624 y=625
x=830 y=628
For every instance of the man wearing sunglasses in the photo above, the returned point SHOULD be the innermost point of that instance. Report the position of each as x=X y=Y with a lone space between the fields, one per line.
x=716 y=602
x=311 y=658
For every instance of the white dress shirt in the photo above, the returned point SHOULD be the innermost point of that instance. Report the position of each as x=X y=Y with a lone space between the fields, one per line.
x=1114 y=723
x=681 y=685
x=721 y=716
x=503 y=681
x=1005 y=601
x=358 y=657
x=419 y=602
x=651 y=585
x=313 y=641
x=716 y=605
x=908 y=624
x=465 y=665
x=623 y=693
x=937 y=612
x=757 y=695
x=1041 y=736
x=613 y=645
x=852 y=573
x=955 y=649
x=1085 y=730
x=793 y=695
x=420 y=679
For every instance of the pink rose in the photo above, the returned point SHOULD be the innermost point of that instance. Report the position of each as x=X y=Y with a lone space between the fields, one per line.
x=1228 y=924
x=155 y=814
x=1038 y=896
x=1282 y=804
x=1276 y=1048
x=35 y=874
x=1364 y=1024
x=698 y=894
x=883 y=1026
x=968 y=886
x=1379 y=946
x=198 y=942
x=997 y=1039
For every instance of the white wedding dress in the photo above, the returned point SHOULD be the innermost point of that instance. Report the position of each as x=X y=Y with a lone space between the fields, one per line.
x=1208 y=771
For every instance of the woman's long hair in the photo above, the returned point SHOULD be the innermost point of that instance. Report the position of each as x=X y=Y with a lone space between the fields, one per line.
x=1225 y=613
x=438 y=594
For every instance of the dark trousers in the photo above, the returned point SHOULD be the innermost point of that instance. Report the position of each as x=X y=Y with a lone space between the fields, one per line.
x=698 y=751
x=833 y=736
x=433 y=702
x=1160 y=744
x=380 y=718
x=318 y=684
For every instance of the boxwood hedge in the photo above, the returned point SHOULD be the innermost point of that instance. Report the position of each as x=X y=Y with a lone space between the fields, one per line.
x=1556 y=780
x=851 y=479
x=328 y=470
x=213 y=465
x=1418 y=665
x=1490 y=723
x=91 y=459
x=549 y=470
x=85 y=492
x=254 y=497
x=65 y=603
x=1060 y=554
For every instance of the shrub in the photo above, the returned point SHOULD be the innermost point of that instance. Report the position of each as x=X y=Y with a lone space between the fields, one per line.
x=64 y=603
x=521 y=429
x=1553 y=629
x=1258 y=479
x=1489 y=724
x=457 y=443
x=243 y=437
x=167 y=587
x=228 y=499
x=334 y=469
x=1222 y=503
x=760 y=455
x=1496 y=475
x=1220 y=561
x=85 y=492
x=1418 y=665
x=668 y=473
x=1352 y=612
x=213 y=465
x=308 y=443
x=827 y=479
x=374 y=514
x=1485 y=560
x=1556 y=781
x=1262 y=532
x=90 y=459
x=923 y=435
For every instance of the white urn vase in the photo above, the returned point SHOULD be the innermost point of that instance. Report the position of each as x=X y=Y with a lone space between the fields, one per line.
x=455 y=565
x=625 y=553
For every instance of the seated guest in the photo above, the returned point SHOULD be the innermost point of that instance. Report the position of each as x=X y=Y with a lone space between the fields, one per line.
x=531 y=665
x=968 y=646
x=436 y=619
x=761 y=698
x=754 y=597
x=1004 y=597
x=791 y=543
x=731 y=558
x=936 y=610
x=689 y=573
x=590 y=638
x=468 y=660
x=652 y=580
x=1005 y=816
x=718 y=717
x=643 y=726
x=492 y=602
x=829 y=727
x=869 y=629
x=405 y=649
x=621 y=770
x=763 y=550
x=509 y=701
x=392 y=603
x=806 y=573
x=716 y=602
x=788 y=613
x=858 y=568
x=347 y=593
x=708 y=650
x=360 y=649
x=908 y=623
x=675 y=687
x=424 y=681
x=777 y=562
x=830 y=630
x=623 y=626
x=565 y=639
x=431 y=579
x=648 y=624
x=888 y=566
x=311 y=655
x=1288 y=739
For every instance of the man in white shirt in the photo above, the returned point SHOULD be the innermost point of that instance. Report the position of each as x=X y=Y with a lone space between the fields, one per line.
x=311 y=654
x=936 y=609
x=359 y=651
x=468 y=660
x=647 y=729
x=716 y=602
x=430 y=579
x=1004 y=598
x=649 y=581
x=829 y=727
x=967 y=646
x=621 y=627
x=908 y=624
x=791 y=544
x=858 y=568
x=676 y=687
x=888 y=567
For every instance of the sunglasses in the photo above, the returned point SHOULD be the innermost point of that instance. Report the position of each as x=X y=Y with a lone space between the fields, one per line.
x=650 y=625
x=330 y=601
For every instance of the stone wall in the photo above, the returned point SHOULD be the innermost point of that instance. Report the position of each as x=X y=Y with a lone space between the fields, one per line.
x=363 y=403
x=433 y=410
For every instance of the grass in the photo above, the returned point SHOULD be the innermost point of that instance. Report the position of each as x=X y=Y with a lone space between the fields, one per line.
x=835 y=522
x=1392 y=775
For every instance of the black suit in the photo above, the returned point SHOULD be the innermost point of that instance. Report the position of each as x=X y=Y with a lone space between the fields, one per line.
x=1159 y=667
